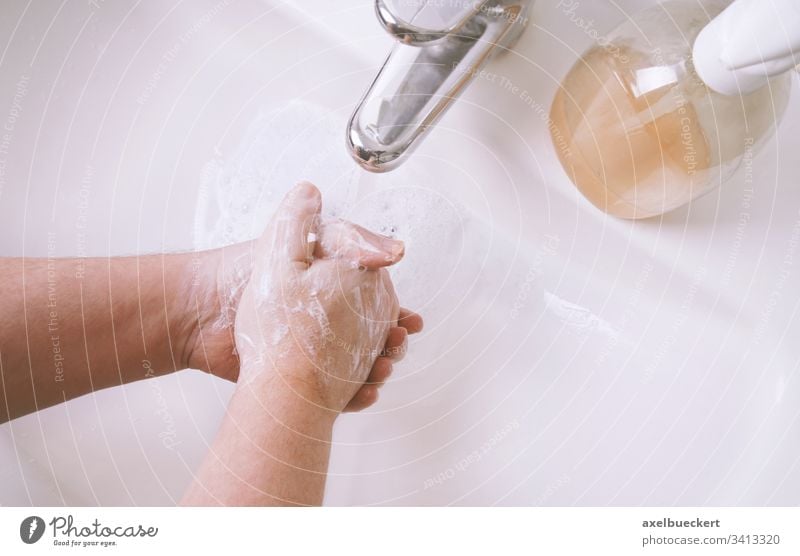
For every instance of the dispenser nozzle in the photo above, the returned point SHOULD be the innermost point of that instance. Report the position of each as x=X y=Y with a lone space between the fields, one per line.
x=747 y=44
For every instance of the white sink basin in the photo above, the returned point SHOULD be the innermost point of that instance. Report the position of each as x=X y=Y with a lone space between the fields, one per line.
x=568 y=358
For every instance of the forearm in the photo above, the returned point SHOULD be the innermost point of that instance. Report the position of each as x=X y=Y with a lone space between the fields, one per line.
x=72 y=326
x=272 y=449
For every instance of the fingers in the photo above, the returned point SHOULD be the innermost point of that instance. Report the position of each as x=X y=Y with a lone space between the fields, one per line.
x=386 y=252
x=296 y=223
x=394 y=351
x=396 y=344
x=365 y=397
x=380 y=373
x=340 y=239
x=410 y=321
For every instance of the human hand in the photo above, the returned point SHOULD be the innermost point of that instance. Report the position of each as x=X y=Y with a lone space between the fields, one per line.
x=348 y=350
x=355 y=246
x=319 y=306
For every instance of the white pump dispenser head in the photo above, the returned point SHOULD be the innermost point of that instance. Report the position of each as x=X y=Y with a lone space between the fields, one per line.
x=747 y=44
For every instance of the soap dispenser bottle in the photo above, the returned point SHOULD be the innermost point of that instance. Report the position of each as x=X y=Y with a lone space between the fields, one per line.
x=666 y=109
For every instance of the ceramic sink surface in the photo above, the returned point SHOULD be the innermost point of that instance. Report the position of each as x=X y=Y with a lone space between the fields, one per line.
x=569 y=358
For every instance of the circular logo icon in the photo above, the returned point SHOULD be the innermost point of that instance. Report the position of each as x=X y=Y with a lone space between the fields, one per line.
x=31 y=529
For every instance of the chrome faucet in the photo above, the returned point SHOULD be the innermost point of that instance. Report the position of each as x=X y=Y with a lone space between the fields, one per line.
x=442 y=46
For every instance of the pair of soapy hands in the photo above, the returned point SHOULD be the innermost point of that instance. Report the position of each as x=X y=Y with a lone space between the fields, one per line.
x=317 y=309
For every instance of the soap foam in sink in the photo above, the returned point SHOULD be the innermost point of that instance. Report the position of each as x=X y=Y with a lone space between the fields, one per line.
x=298 y=141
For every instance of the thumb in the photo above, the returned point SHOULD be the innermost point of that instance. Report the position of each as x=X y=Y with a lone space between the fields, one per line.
x=339 y=239
x=297 y=218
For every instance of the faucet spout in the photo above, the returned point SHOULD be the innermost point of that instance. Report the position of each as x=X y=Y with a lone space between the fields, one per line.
x=422 y=76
